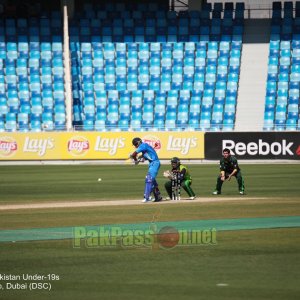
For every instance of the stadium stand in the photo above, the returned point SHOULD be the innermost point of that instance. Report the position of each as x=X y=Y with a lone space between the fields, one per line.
x=142 y=66
x=282 y=89
x=32 y=74
x=153 y=51
x=123 y=55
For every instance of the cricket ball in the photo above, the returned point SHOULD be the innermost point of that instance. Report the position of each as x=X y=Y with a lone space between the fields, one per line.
x=168 y=237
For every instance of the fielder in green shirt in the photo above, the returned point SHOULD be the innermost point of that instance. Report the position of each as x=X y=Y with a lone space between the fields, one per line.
x=186 y=179
x=229 y=167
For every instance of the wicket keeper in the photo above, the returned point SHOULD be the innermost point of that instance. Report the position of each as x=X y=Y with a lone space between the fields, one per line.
x=148 y=153
x=186 y=179
x=229 y=167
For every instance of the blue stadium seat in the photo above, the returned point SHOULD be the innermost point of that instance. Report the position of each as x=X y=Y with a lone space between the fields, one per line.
x=11 y=121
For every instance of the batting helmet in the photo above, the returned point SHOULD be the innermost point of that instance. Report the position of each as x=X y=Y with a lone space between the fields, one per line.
x=136 y=141
x=175 y=161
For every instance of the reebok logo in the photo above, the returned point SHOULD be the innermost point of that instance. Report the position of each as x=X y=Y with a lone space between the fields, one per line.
x=259 y=148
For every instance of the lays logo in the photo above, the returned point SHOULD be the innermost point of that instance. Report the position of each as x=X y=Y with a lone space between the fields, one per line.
x=8 y=146
x=78 y=146
x=152 y=141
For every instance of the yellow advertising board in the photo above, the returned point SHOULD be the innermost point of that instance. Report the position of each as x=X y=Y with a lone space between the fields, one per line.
x=97 y=145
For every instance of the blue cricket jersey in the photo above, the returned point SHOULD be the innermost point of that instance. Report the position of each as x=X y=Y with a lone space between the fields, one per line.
x=148 y=152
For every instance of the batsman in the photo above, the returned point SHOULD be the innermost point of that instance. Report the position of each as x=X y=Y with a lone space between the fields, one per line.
x=185 y=178
x=148 y=153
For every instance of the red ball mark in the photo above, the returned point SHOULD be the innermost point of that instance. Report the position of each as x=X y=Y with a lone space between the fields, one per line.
x=168 y=237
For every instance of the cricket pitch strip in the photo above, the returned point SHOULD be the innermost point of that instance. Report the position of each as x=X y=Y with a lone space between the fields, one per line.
x=87 y=203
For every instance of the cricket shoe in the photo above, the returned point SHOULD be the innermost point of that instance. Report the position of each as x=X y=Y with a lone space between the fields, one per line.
x=192 y=198
x=157 y=200
x=242 y=193
x=145 y=200
x=216 y=192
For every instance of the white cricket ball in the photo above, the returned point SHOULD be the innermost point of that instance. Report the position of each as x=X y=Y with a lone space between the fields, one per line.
x=99 y=179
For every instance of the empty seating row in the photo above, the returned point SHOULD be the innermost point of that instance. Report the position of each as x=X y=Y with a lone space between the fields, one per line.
x=287 y=9
x=144 y=50
x=33 y=121
x=154 y=10
x=136 y=31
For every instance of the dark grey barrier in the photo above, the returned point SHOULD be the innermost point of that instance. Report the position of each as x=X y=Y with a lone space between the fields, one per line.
x=253 y=145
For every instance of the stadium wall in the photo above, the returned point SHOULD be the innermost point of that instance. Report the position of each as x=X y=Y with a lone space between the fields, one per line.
x=46 y=146
x=97 y=145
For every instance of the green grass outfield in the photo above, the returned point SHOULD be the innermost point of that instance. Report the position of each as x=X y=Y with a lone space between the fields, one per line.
x=243 y=264
x=55 y=183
